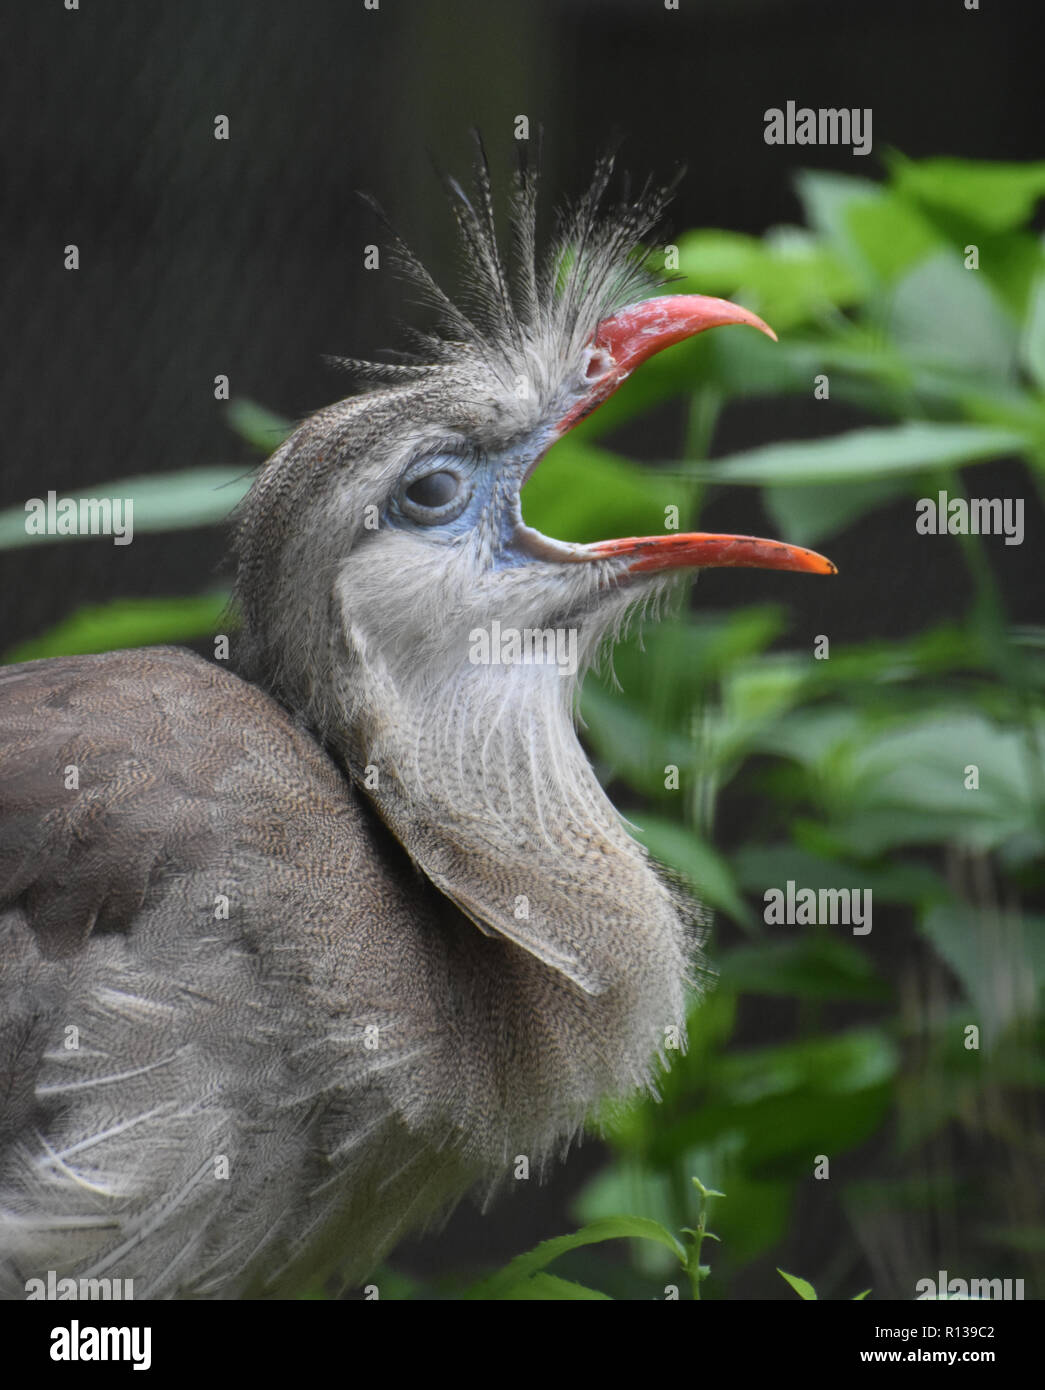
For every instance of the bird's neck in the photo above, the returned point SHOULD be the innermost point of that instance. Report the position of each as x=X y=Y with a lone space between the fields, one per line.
x=483 y=781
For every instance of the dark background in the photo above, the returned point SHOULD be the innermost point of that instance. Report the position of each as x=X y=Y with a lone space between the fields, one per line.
x=244 y=257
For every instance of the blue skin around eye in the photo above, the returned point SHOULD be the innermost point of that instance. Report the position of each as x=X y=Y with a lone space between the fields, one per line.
x=495 y=483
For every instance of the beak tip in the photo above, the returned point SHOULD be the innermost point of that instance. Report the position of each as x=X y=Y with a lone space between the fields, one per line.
x=820 y=564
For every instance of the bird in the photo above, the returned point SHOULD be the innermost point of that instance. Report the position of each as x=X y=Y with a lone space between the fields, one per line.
x=298 y=950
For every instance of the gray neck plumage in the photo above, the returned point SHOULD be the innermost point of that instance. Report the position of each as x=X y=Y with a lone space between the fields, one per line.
x=483 y=781
x=563 y=932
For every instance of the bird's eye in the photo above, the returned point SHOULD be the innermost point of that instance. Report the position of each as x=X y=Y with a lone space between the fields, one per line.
x=436 y=497
x=434 y=489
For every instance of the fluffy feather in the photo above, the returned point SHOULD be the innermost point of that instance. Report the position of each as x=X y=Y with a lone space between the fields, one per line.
x=413 y=847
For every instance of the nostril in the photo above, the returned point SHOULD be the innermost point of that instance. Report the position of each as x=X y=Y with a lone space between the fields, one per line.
x=598 y=364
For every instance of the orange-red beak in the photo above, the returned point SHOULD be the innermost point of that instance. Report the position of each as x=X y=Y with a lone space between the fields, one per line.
x=702 y=550
x=619 y=344
x=628 y=337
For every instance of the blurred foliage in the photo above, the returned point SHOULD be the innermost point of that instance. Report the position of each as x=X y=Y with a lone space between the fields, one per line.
x=851 y=770
x=526 y=1277
x=131 y=622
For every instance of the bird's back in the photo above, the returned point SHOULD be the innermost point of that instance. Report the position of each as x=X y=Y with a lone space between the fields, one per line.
x=217 y=1001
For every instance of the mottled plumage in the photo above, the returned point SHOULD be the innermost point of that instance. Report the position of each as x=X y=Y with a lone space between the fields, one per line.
x=302 y=954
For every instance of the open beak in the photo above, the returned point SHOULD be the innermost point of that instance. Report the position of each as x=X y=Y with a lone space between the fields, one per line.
x=618 y=346
x=703 y=550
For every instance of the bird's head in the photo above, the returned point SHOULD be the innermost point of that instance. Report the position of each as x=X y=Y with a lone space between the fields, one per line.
x=393 y=593
x=392 y=520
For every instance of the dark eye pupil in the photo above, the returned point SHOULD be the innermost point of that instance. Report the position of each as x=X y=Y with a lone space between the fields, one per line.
x=433 y=490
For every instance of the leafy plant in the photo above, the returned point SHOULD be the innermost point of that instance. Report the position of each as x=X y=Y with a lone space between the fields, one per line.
x=526 y=1277
x=805 y=1290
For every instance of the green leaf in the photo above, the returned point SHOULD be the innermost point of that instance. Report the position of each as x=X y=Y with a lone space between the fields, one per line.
x=813 y=735
x=262 y=428
x=774 y=1106
x=878 y=233
x=945 y=315
x=162 y=502
x=910 y=783
x=745 y=364
x=630 y=742
x=524 y=1266
x=549 y=1287
x=808 y=514
x=814 y=967
x=706 y=871
x=998 y=956
x=992 y=194
x=634 y=1187
x=890 y=235
x=862 y=455
x=1032 y=347
x=828 y=201
x=720 y=261
x=1012 y=261
x=789 y=276
x=802 y=1287
x=758 y=867
x=836 y=1065
x=663 y=673
x=584 y=493
x=127 y=622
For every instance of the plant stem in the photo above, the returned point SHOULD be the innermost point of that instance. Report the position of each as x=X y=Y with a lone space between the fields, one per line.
x=695 y=1271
